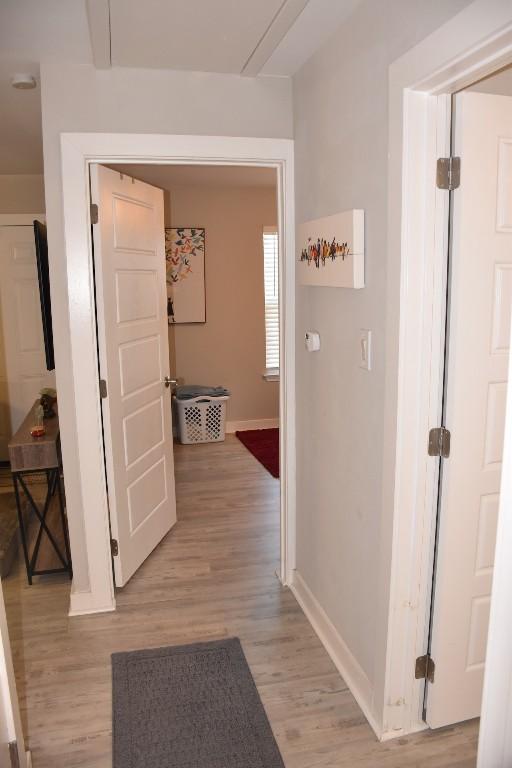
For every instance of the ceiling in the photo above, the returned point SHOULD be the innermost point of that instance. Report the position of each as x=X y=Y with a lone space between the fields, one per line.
x=249 y=37
x=172 y=176
x=21 y=141
x=210 y=36
x=238 y=37
x=499 y=83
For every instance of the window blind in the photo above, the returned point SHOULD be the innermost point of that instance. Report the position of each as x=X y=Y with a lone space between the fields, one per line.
x=271 y=277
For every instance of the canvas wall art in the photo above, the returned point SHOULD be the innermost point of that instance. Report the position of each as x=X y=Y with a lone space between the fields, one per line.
x=184 y=256
x=331 y=251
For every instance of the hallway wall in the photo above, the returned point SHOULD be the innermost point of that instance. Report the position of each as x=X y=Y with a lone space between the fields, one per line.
x=341 y=151
x=78 y=98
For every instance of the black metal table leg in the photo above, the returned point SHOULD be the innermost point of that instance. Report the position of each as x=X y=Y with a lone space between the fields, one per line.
x=53 y=484
x=22 y=527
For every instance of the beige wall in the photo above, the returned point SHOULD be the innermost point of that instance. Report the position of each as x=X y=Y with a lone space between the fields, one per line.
x=23 y=193
x=341 y=155
x=229 y=349
x=499 y=84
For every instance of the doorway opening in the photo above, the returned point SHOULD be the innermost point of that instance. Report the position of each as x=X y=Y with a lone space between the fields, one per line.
x=187 y=309
x=479 y=304
x=79 y=151
x=424 y=96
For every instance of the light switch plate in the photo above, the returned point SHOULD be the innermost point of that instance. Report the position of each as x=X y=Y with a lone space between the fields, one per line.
x=365 y=349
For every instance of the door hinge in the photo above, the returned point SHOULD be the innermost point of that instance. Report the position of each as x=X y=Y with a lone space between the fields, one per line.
x=103 y=389
x=94 y=213
x=114 y=547
x=14 y=754
x=448 y=173
x=439 y=442
x=425 y=668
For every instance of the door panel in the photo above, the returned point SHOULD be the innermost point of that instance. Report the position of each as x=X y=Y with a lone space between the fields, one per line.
x=481 y=295
x=22 y=359
x=134 y=360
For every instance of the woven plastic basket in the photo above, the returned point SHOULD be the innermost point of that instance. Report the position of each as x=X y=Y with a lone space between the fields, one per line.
x=201 y=419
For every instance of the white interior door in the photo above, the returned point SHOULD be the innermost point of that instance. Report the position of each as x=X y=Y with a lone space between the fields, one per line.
x=10 y=721
x=22 y=360
x=475 y=407
x=134 y=359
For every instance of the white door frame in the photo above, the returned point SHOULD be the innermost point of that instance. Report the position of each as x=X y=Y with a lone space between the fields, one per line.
x=472 y=45
x=9 y=703
x=78 y=151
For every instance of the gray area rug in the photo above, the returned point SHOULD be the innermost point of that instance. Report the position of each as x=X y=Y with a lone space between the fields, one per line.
x=189 y=706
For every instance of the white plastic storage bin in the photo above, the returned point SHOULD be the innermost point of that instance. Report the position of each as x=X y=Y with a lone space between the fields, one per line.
x=201 y=419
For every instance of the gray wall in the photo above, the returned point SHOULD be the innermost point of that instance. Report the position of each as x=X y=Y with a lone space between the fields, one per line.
x=340 y=129
x=80 y=98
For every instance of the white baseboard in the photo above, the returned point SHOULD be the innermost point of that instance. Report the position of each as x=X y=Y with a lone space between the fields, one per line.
x=343 y=660
x=83 y=603
x=243 y=426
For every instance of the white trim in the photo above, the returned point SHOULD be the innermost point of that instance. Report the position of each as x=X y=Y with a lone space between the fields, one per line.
x=243 y=426
x=342 y=658
x=20 y=219
x=78 y=150
x=474 y=43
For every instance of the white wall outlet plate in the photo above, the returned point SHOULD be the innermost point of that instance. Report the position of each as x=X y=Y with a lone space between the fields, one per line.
x=365 y=349
x=312 y=341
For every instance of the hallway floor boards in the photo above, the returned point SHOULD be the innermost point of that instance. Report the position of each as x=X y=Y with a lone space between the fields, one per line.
x=213 y=576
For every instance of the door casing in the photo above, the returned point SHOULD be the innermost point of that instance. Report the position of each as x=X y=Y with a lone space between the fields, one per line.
x=78 y=151
x=472 y=45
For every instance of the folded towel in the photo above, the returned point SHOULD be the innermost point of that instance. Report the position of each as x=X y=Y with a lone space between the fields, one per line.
x=188 y=391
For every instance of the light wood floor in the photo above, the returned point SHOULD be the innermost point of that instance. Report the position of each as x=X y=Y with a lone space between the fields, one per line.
x=213 y=576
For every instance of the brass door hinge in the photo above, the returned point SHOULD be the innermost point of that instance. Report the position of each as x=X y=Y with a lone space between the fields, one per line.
x=94 y=213
x=439 y=440
x=114 y=547
x=448 y=173
x=425 y=668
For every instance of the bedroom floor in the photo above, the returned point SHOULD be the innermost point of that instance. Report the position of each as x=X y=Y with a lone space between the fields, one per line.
x=213 y=576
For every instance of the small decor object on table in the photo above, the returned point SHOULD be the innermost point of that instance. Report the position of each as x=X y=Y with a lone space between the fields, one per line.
x=48 y=400
x=331 y=251
x=184 y=256
x=37 y=429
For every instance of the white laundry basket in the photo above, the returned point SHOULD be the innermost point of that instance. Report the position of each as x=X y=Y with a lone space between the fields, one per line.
x=201 y=419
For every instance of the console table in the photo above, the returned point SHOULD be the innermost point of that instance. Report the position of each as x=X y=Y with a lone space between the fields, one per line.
x=29 y=456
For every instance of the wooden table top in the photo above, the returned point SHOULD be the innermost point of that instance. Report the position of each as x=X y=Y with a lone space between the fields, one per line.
x=31 y=453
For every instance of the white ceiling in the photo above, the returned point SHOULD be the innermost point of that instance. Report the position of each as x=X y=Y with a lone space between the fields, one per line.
x=273 y=37
x=21 y=142
x=500 y=83
x=217 y=36
x=29 y=31
x=249 y=37
x=172 y=176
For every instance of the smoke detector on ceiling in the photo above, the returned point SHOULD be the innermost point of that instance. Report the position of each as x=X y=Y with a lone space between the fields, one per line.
x=23 y=81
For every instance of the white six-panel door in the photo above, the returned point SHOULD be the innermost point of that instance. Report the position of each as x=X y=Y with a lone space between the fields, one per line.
x=134 y=360
x=475 y=410
x=22 y=360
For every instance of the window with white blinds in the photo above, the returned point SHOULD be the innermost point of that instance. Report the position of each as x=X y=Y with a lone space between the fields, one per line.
x=271 y=275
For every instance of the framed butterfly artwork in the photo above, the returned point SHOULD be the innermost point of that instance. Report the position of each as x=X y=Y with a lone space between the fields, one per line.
x=184 y=257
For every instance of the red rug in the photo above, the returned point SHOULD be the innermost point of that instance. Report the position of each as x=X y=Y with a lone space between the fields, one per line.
x=264 y=445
